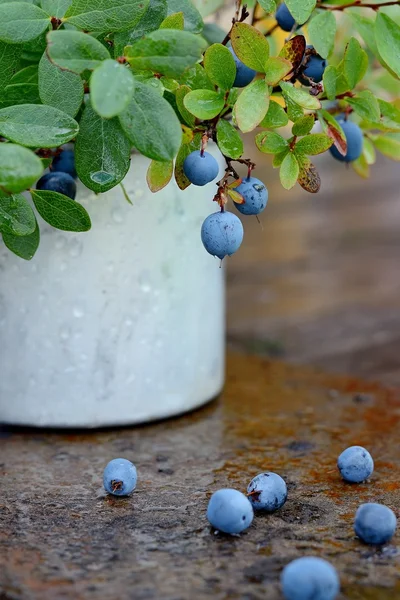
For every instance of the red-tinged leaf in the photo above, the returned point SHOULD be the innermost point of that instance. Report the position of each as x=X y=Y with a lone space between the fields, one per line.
x=235 y=196
x=293 y=51
x=332 y=128
x=159 y=174
x=234 y=184
x=308 y=175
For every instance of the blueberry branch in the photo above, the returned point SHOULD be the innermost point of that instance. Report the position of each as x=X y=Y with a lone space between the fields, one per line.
x=359 y=4
x=236 y=19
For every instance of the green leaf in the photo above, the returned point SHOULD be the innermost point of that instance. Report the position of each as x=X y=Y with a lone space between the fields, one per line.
x=252 y=105
x=315 y=143
x=355 y=62
x=300 y=96
x=390 y=114
x=369 y=151
x=366 y=29
x=335 y=82
x=192 y=17
x=9 y=62
x=289 y=171
x=111 y=88
x=37 y=126
x=361 y=166
x=184 y=151
x=390 y=147
x=332 y=128
x=105 y=15
x=22 y=88
x=150 y=21
x=303 y=125
x=250 y=46
x=204 y=104
x=275 y=117
x=220 y=66
x=180 y=94
x=56 y=8
x=159 y=174
x=208 y=7
x=387 y=35
x=277 y=68
x=75 y=51
x=268 y=6
x=270 y=142
x=294 y=111
x=366 y=105
x=196 y=78
x=21 y=22
x=102 y=152
x=229 y=141
x=61 y=212
x=166 y=51
x=19 y=168
x=322 y=31
x=174 y=21
x=151 y=124
x=279 y=158
x=301 y=9
x=53 y=84
x=26 y=75
x=16 y=215
x=23 y=246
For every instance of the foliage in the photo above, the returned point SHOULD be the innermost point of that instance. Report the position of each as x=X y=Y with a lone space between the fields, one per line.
x=113 y=76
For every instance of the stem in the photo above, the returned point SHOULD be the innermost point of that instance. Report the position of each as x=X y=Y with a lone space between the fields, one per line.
x=236 y=19
x=359 y=4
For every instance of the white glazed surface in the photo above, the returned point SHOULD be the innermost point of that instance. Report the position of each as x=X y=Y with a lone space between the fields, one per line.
x=120 y=325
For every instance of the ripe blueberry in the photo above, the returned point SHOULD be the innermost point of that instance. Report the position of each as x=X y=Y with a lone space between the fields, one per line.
x=374 y=523
x=284 y=18
x=314 y=67
x=58 y=182
x=355 y=464
x=255 y=196
x=267 y=491
x=310 y=578
x=200 y=169
x=229 y=511
x=65 y=163
x=354 y=139
x=120 y=477
x=222 y=234
x=244 y=75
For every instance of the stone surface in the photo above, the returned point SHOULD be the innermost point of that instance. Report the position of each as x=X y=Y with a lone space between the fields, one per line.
x=63 y=538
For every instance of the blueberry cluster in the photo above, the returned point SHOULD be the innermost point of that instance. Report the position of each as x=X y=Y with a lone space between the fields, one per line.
x=222 y=231
x=62 y=175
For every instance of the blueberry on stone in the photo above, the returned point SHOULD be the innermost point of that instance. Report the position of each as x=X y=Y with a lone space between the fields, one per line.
x=229 y=511
x=120 y=477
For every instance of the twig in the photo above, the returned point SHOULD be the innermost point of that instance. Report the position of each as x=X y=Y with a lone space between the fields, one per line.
x=359 y=4
x=236 y=19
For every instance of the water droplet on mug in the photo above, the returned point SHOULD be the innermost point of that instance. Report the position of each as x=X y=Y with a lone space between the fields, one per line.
x=64 y=333
x=78 y=312
x=117 y=215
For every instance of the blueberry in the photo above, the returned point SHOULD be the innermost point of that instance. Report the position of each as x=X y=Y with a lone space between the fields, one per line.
x=310 y=578
x=267 y=491
x=65 y=163
x=58 y=182
x=355 y=464
x=314 y=68
x=200 y=169
x=354 y=139
x=119 y=477
x=255 y=195
x=222 y=234
x=244 y=75
x=374 y=523
x=229 y=511
x=284 y=18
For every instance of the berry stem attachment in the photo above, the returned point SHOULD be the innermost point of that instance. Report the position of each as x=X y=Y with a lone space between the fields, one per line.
x=236 y=19
x=204 y=141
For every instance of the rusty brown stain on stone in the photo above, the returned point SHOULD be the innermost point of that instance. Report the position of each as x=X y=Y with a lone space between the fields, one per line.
x=62 y=537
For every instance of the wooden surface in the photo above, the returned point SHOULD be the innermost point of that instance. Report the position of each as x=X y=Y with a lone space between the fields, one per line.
x=320 y=284
x=62 y=538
